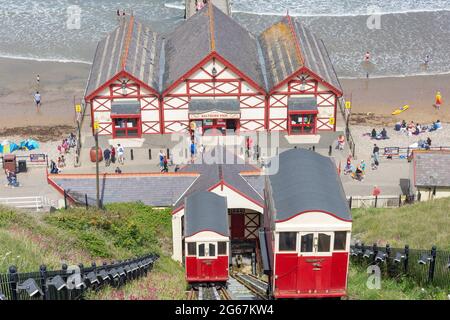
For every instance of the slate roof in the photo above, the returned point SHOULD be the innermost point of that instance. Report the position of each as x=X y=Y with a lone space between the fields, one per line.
x=161 y=60
x=206 y=211
x=222 y=105
x=210 y=30
x=288 y=46
x=158 y=191
x=431 y=169
x=302 y=104
x=213 y=174
x=131 y=47
x=291 y=192
x=125 y=107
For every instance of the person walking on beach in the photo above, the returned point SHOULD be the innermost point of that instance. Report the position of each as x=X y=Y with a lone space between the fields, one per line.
x=37 y=99
x=426 y=60
x=375 y=157
x=121 y=154
x=438 y=100
x=367 y=57
x=107 y=156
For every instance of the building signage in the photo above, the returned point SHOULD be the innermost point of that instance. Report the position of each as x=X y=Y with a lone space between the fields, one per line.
x=214 y=115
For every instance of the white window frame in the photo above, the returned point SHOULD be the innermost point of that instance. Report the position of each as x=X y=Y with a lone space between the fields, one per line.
x=277 y=243
x=206 y=243
x=347 y=241
x=316 y=243
x=310 y=253
x=187 y=250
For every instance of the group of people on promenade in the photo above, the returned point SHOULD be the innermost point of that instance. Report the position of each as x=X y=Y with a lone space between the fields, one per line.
x=63 y=148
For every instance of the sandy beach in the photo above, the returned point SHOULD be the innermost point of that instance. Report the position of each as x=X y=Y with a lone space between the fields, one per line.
x=374 y=100
x=59 y=84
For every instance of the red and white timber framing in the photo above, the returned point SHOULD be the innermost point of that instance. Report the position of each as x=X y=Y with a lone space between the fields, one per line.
x=226 y=83
x=303 y=84
x=100 y=102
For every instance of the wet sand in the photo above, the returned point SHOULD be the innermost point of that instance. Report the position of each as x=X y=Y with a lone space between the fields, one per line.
x=59 y=84
x=374 y=100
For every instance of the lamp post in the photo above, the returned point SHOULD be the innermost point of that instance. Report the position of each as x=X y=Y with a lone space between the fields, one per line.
x=97 y=178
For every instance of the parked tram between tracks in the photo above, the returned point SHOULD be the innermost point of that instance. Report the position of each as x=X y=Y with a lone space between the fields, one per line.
x=206 y=241
x=305 y=241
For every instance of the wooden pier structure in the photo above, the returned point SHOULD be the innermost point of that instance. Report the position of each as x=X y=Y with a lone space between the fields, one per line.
x=224 y=5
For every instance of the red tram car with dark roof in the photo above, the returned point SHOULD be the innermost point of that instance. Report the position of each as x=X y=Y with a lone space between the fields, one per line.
x=206 y=239
x=305 y=242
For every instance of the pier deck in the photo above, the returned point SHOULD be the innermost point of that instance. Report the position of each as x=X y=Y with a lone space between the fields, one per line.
x=224 y=5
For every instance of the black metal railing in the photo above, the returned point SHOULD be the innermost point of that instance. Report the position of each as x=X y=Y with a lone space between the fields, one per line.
x=425 y=267
x=71 y=282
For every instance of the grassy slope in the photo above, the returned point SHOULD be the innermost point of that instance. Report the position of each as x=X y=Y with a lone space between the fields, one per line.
x=421 y=225
x=73 y=236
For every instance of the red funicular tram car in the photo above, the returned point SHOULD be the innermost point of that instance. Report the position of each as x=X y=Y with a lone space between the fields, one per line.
x=306 y=237
x=206 y=239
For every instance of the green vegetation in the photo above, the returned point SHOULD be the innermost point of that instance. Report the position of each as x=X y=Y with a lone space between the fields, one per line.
x=420 y=225
x=120 y=232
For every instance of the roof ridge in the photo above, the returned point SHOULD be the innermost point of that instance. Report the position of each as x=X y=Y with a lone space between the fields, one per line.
x=127 y=43
x=298 y=50
x=211 y=26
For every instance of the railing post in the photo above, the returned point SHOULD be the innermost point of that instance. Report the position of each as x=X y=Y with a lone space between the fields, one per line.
x=86 y=201
x=375 y=251
x=13 y=279
x=400 y=200
x=65 y=199
x=376 y=201
x=43 y=273
x=350 y=202
x=405 y=265
x=419 y=196
x=432 y=264
x=149 y=154
x=131 y=154
x=330 y=151
x=64 y=276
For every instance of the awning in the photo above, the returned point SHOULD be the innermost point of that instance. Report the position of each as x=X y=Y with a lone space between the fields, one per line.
x=302 y=104
x=125 y=107
x=214 y=109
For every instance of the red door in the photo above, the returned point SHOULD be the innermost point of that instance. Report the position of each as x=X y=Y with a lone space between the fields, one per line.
x=238 y=226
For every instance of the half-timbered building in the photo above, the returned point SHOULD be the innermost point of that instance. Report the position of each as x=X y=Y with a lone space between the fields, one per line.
x=213 y=74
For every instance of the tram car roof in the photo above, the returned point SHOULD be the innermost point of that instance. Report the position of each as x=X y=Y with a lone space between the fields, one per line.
x=306 y=182
x=206 y=211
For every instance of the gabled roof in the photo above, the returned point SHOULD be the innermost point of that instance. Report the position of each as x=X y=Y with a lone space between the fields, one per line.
x=305 y=181
x=133 y=48
x=213 y=175
x=431 y=169
x=206 y=211
x=288 y=46
x=210 y=31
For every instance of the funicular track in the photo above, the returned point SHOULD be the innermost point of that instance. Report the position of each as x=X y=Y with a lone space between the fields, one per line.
x=256 y=288
x=209 y=293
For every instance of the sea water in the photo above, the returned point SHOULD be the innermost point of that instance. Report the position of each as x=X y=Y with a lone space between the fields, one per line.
x=404 y=32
